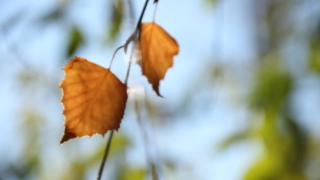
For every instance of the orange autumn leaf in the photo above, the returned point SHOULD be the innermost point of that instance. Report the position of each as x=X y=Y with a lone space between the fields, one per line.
x=157 y=51
x=94 y=99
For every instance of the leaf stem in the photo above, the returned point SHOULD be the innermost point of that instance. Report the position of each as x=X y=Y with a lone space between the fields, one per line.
x=114 y=54
x=133 y=37
x=154 y=12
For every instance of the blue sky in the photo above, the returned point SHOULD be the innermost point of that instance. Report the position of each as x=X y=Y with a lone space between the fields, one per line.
x=206 y=35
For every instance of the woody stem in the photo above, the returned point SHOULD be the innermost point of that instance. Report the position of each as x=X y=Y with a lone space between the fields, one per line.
x=105 y=156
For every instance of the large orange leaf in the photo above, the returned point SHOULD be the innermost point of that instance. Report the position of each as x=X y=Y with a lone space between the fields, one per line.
x=157 y=51
x=94 y=99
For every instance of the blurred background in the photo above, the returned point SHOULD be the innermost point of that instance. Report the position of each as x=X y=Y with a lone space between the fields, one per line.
x=242 y=100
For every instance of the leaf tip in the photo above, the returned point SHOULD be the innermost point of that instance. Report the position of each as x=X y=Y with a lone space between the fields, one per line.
x=67 y=136
x=156 y=89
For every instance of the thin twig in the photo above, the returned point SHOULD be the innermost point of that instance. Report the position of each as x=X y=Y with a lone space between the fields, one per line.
x=129 y=67
x=133 y=38
x=141 y=15
x=12 y=48
x=149 y=159
x=105 y=156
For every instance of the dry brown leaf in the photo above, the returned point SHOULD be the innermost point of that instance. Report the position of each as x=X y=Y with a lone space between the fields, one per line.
x=94 y=99
x=157 y=51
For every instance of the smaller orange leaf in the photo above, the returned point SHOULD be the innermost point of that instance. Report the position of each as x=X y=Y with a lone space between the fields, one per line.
x=94 y=99
x=157 y=51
